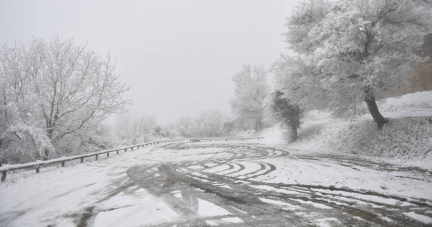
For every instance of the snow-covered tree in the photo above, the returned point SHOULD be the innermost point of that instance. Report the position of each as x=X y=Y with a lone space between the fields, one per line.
x=56 y=88
x=353 y=50
x=233 y=125
x=135 y=127
x=209 y=124
x=20 y=129
x=104 y=137
x=184 y=126
x=298 y=83
x=251 y=89
x=167 y=130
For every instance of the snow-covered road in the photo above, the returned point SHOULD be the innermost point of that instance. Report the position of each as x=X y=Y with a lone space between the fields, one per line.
x=212 y=184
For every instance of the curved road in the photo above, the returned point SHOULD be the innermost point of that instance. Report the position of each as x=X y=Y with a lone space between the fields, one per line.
x=219 y=184
x=222 y=187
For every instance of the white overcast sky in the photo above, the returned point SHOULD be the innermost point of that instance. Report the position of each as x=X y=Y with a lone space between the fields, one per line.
x=178 y=56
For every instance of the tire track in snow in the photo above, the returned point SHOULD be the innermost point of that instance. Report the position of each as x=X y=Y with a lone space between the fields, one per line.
x=255 y=203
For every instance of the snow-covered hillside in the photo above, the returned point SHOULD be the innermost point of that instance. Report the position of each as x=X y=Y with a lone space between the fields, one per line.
x=408 y=135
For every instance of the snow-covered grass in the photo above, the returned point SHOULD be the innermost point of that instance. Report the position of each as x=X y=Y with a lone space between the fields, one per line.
x=407 y=136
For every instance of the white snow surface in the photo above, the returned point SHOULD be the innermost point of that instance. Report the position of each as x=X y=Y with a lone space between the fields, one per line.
x=58 y=195
x=269 y=188
x=419 y=217
x=232 y=220
x=283 y=204
x=209 y=209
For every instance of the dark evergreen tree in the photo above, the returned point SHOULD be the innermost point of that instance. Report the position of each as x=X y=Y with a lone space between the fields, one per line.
x=288 y=112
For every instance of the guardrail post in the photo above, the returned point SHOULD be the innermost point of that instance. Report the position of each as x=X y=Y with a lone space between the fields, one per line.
x=63 y=163
x=131 y=148
x=125 y=150
x=242 y=139
x=82 y=159
x=3 y=177
x=37 y=169
x=117 y=151
x=96 y=157
x=107 y=154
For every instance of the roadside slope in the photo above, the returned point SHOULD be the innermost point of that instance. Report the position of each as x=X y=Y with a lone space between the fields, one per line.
x=408 y=135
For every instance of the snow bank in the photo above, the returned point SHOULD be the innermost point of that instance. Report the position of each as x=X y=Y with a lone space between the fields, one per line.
x=401 y=138
x=408 y=135
x=273 y=135
x=417 y=104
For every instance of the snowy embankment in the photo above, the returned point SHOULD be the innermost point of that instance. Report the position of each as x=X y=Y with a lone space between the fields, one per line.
x=408 y=135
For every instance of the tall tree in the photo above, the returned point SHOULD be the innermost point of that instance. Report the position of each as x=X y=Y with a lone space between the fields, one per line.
x=59 y=88
x=358 y=49
x=251 y=89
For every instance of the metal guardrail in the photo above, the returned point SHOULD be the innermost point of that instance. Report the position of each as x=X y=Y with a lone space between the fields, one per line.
x=192 y=140
x=38 y=164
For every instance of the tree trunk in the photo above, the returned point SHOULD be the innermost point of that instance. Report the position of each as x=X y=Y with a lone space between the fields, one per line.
x=45 y=155
x=293 y=127
x=373 y=109
x=258 y=125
